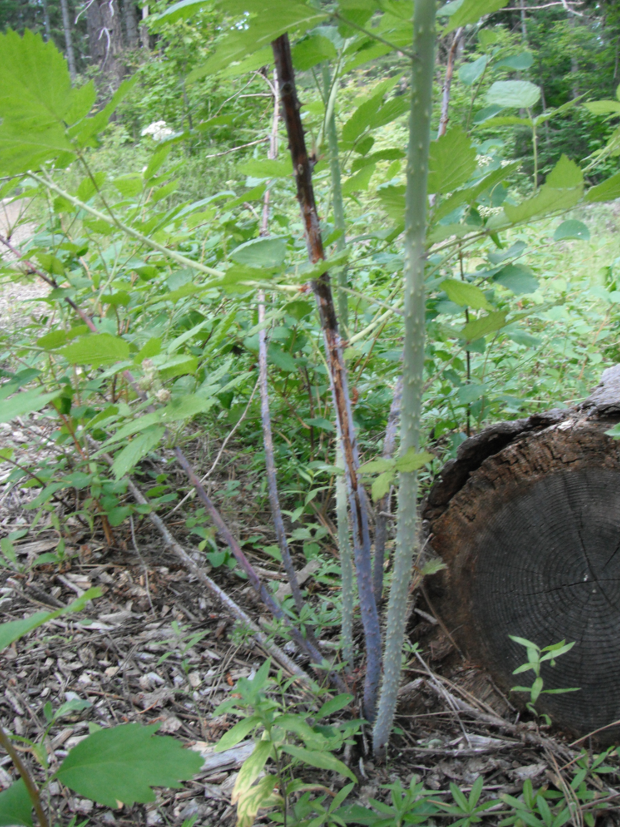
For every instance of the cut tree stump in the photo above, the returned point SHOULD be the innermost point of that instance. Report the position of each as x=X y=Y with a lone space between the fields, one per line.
x=527 y=520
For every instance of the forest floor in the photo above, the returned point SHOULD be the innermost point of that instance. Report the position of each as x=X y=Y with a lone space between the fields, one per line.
x=132 y=656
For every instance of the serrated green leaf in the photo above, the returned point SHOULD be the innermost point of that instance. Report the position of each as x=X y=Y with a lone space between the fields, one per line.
x=412 y=461
x=478 y=328
x=513 y=94
x=21 y=150
x=237 y=733
x=24 y=403
x=311 y=50
x=184 y=407
x=136 y=450
x=15 y=806
x=565 y=174
x=96 y=350
x=358 y=182
x=16 y=629
x=471 y=11
x=393 y=201
x=261 y=253
x=547 y=200
x=465 y=295
x=282 y=359
x=320 y=760
x=124 y=762
x=377 y=466
x=381 y=485
x=452 y=160
x=572 y=229
x=361 y=119
x=608 y=190
x=251 y=769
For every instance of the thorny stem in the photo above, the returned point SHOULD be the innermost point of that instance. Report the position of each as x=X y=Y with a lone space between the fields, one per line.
x=413 y=359
x=272 y=483
x=338 y=375
x=29 y=782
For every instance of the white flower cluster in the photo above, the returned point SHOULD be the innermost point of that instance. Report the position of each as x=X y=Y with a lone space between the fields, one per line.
x=159 y=130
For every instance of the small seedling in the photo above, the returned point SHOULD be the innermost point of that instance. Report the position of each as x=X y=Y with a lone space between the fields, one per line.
x=536 y=656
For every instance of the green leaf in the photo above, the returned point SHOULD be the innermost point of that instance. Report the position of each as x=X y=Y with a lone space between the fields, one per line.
x=358 y=182
x=320 y=760
x=393 y=201
x=381 y=485
x=21 y=151
x=465 y=295
x=124 y=762
x=251 y=769
x=603 y=107
x=267 y=168
x=259 y=796
x=261 y=252
x=470 y=72
x=412 y=461
x=513 y=94
x=547 y=200
x=608 y=190
x=266 y=24
x=311 y=50
x=572 y=228
x=471 y=11
x=518 y=62
x=478 y=328
x=16 y=629
x=361 y=119
x=237 y=733
x=518 y=278
x=451 y=162
x=24 y=403
x=333 y=705
x=96 y=350
x=282 y=359
x=136 y=450
x=15 y=806
x=184 y=407
x=565 y=174
x=377 y=466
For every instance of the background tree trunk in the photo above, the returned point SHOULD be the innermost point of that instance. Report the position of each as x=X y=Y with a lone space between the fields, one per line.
x=66 y=25
x=105 y=35
x=130 y=16
x=527 y=519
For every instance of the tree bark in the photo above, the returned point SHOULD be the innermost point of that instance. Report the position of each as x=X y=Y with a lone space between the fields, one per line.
x=130 y=16
x=105 y=36
x=66 y=25
x=527 y=520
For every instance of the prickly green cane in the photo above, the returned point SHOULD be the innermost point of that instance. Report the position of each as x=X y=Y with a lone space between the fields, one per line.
x=413 y=357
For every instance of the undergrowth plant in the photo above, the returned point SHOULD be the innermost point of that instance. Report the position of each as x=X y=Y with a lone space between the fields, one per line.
x=149 y=335
x=536 y=656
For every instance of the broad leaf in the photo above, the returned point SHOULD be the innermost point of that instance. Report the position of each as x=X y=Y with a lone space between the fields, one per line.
x=237 y=733
x=608 y=190
x=393 y=201
x=24 y=403
x=471 y=11
x=518 y=278
x=124 y=762
x=603 y=107
x=21 y=150
x=452 y=161
x=465 y=295
x=470 y=72
x=333 y=705
x=478 y=328
x=518 y=62
x=96 y=350
x=572 y=229
x=513 y=94
x=320 y=760
x=358 y=182
x=311 y=50
x=361 y=119
x=261 y=252
x=136 y=450
x=381 y=485
x=16 y=629
x=565 y=174
x=15 y=806
x=546 y=201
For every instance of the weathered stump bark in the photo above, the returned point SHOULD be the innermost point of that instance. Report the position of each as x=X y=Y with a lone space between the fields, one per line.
x=527 y=519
